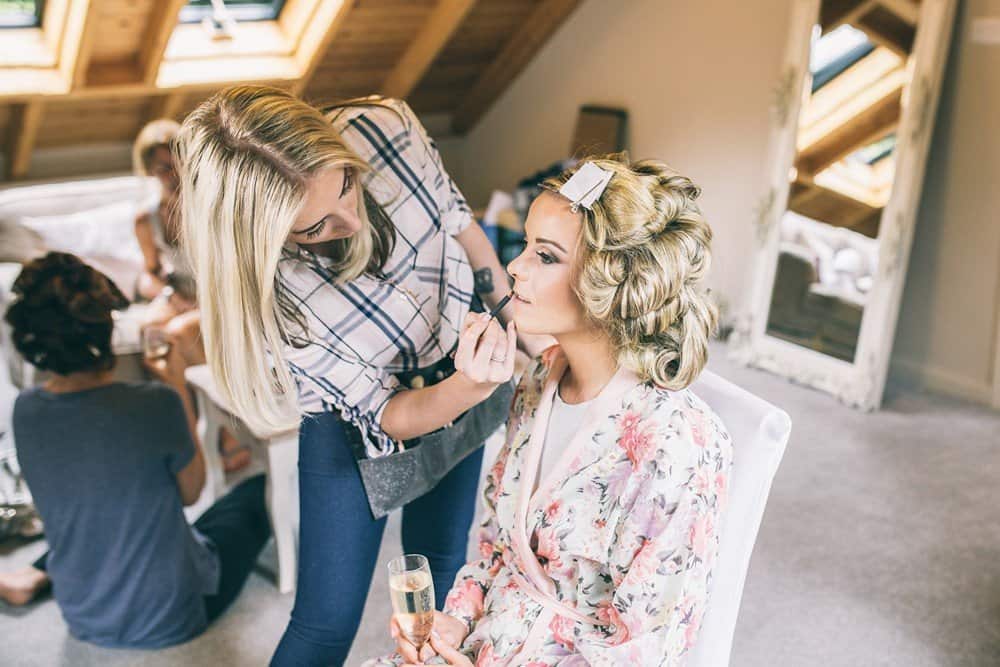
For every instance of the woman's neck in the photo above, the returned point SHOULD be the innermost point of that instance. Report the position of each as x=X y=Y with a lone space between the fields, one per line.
x=591 y=363
x=65 y=384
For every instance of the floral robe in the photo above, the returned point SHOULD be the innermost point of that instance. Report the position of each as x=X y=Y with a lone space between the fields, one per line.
x=609 y=561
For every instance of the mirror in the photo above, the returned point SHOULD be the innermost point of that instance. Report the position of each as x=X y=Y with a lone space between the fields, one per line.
x=847 y=162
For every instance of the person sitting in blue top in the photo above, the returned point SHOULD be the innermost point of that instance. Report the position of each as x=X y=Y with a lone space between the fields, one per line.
x=111 y=466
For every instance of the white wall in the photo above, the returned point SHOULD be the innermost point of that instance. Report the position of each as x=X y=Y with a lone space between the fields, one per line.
x=948 y=322
x=697 y=79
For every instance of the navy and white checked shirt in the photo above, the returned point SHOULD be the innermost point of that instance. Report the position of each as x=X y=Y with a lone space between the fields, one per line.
x=362 y=332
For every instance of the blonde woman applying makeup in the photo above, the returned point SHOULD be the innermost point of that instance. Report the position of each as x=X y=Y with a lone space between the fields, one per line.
x=337 y=264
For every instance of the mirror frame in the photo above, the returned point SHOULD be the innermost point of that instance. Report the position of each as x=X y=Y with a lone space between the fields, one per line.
x=861 y=383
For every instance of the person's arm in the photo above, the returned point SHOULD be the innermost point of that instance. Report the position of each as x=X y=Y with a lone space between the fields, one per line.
x=170 y=371
x=150 y=282
x=413 y=412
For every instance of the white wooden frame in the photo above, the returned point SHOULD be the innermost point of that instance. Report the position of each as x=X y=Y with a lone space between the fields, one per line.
x=861 y=383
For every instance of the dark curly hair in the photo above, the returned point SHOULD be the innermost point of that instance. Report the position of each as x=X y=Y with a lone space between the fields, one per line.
x=61 y=319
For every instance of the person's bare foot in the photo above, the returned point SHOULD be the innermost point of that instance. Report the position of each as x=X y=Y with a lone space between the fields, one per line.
x=21 y=586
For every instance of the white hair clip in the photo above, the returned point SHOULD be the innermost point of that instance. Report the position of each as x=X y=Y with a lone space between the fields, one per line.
x=586 y=186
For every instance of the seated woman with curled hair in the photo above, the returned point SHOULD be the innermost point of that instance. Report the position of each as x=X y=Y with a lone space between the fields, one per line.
x=602 y=506
x=111 y=466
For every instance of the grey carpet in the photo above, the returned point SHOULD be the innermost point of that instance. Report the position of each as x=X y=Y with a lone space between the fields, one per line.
x=878 y=547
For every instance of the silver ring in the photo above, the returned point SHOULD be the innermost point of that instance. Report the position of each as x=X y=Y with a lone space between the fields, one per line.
x=499 y=361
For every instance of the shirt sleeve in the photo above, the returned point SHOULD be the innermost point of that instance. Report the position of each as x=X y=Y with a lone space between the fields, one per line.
x=173 y=431
x=359 y=391
x=454 y=210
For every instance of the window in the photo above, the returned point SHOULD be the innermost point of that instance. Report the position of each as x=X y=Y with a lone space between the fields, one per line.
x=20 y=13
x=875 y=151
x=836 y=51
x=240 y=10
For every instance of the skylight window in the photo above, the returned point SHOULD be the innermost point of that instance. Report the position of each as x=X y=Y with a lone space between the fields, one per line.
x=836 y=51
x=239 y=10
x=20 y=13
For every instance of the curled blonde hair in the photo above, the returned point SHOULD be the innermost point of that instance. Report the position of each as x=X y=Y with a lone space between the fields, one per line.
x=155 y=134
x=645 y=250
x=245 y=157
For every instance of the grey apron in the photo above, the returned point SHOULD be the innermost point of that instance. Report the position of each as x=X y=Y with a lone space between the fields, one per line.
x=394 y=480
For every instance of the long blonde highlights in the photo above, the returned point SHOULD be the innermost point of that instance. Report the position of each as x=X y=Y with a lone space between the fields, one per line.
x=644 y=253
x=244 y=158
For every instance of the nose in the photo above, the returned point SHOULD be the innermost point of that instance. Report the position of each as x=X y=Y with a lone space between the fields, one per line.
x=515 y=267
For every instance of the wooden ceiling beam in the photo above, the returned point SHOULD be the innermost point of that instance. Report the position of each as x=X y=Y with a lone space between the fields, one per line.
x=907 y=10
x=166 y=106
x=22 y=132
x=328 y=17
x=512 y=59
x=77 y=42
x=870 y=125
x=837 y=13
x=425 y=47
x=162 y=21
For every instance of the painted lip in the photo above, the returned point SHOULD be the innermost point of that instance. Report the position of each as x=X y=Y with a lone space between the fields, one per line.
x=518 y=297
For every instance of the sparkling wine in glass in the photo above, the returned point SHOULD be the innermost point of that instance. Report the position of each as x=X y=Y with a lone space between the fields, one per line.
x=412 y=591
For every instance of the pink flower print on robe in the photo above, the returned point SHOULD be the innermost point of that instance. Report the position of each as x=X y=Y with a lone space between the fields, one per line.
x=636 y=439
x=702 y=535
x=609 y=615
x=468 y=594
x=562 y=631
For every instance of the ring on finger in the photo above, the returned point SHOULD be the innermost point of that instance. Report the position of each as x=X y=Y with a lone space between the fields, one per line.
x=499 y=360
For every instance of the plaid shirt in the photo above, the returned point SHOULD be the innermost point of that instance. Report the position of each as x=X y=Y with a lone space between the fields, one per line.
x=362 y=332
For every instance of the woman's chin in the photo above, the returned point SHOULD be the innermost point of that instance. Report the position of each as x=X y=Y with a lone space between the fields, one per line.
x=526 y=326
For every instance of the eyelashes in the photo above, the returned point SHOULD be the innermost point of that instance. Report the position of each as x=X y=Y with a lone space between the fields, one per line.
x=348 y=186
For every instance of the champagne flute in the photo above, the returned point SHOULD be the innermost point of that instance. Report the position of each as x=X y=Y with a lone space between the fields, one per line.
x=155 y=343
x=412 y=592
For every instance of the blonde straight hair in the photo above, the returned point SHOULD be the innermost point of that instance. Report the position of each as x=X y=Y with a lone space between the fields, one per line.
x=245 y=157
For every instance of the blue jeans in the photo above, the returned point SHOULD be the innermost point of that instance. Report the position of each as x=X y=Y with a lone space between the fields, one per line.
x=339 y=541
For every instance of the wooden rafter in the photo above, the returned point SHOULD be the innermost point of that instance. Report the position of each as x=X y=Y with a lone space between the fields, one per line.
x=834 y=208
x=77 y=42
x=883 y=26
x=162 y=21
x=907 y=10
x=513 y=58
x=327 y=19
x=425 y=47
x=871 y=124
x=835 y=13
x=166 y=106
x=23 y=130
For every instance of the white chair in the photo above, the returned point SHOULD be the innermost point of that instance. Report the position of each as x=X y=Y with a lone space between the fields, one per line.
x=282 y=461
x=760 y=432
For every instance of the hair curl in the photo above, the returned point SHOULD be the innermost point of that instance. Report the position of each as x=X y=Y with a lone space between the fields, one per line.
x=61 y=318
x=644 y=253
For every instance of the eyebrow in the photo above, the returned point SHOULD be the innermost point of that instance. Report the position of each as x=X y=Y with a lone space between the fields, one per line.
x=343 y=189
x=550 y=242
